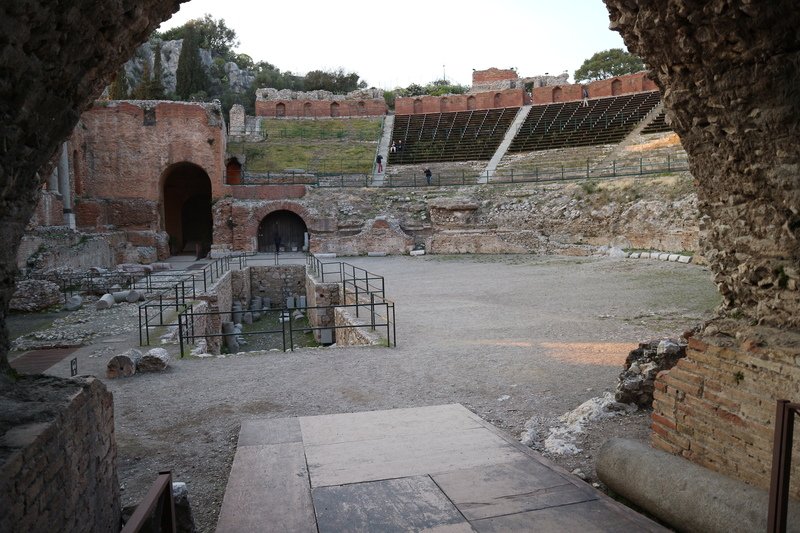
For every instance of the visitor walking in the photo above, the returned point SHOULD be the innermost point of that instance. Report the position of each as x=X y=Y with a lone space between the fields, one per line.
x=277 y=240
x=393 y=148
x=379 y=160
x=428 y=174
x=585 y=94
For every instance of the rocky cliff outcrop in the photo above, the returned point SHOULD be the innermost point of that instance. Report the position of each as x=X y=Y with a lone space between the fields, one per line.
x=729 y=71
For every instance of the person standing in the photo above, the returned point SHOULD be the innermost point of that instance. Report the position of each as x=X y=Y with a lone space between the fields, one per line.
x=277 y=240
x=379 y=160
x=585 y=94
x=428 y=175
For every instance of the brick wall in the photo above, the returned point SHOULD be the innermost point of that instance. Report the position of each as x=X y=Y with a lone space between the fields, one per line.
x=491 y=75
x=717 y=406
x=49 y=210
x=121 y=150
x=460 y=102
x=58 y=471
x=321 y=108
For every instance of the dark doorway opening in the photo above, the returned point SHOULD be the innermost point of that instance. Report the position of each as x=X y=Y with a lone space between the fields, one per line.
x=187 y=209
x=288 y=226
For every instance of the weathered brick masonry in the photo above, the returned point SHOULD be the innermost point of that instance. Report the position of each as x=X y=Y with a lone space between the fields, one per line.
x=717 y=406
x=59 y=469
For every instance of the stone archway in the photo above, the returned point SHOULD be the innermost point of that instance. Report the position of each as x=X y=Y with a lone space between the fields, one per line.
x=557 y=94
x=334 y=109
x=280 y=110
x=186 y=204
x=289 y=226
x=616 y=87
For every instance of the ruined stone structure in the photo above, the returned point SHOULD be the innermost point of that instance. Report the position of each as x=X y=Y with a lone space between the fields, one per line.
x=319 y=104
x=510 y=92
x=494 y=79
x=729 y=71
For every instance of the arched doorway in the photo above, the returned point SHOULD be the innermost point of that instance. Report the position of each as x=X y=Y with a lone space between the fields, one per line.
x=288 y=226
x=417 y=106
x=334 y=109
x=616 y=87
x=443 y=105
x=233 y=172
x=280 y=110
x=471 y=102
x=186 y=193
x=362 y=108
x=497 y=99
x=557 y=94
x=307 y=110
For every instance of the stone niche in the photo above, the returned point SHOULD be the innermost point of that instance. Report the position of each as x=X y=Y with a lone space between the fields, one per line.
x=58 y=456
x=453 y=213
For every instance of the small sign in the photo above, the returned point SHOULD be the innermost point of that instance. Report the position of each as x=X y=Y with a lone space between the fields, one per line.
x=73 y=367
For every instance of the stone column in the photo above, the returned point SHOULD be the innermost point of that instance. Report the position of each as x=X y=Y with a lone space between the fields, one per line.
x=65 y=186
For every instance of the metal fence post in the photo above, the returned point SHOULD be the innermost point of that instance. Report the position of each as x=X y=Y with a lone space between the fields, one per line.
x=781 y=467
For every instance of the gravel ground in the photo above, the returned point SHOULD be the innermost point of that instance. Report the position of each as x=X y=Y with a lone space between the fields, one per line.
x=548 y=332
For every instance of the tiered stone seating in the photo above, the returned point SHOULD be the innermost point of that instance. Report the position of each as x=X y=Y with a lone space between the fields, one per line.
x=563 y=124
x=657 y=125
x=457 y=136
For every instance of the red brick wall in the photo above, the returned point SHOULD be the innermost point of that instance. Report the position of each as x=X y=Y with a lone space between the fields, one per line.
x=321 y=108
x=717 y=406
x=122 y=151
x=461 y=102
x=492 y=75
x=630 y=83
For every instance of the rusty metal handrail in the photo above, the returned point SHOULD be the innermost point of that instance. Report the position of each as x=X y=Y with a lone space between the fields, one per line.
x=158 y=501
x=781 y=465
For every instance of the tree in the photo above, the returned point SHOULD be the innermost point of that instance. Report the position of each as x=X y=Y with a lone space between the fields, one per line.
x=119 y=87
x=212 y=35
x=142 y=90
x=607 y=64
x=157 y=91
x=335 y=81
x=190 y=77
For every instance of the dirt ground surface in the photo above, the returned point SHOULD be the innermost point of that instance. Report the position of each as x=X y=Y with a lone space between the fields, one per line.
x=547 y=332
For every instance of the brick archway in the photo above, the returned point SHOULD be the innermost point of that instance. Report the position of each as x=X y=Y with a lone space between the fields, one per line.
x=280 y=110
x=616 y=87
x=186 y=207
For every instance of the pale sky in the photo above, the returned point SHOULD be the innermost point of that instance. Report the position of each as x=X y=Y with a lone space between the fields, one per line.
x=414 y=41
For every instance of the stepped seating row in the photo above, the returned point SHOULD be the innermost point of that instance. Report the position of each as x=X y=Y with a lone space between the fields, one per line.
x=455 y=136
x=658 y=125
x=563 y=124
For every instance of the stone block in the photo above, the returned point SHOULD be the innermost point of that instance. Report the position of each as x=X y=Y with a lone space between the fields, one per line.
x=376 y=254
x=417 y=252
x=673 y=257
x=663 y=257
x=325 y=255
x=685 y=259
x=635 y=255
x=645 y=255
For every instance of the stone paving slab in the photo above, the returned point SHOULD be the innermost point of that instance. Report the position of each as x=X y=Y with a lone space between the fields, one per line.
x=439 y=469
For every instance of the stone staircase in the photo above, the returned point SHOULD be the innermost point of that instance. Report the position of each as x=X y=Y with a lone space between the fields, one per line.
x=383 y=149
x=488 y=172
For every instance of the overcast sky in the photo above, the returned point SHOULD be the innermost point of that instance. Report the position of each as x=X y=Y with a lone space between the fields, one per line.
x=391 y=44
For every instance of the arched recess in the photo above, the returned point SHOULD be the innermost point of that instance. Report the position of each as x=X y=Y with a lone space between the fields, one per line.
x=471 y=103
x=233 y=171
x=616 y=87
x=186 y=200
x=557 y=94
x=280 y=110
x=362 y=108
x=417 y=106
x=289 y=226
x=334 y=109
x=498 y=98
x=307 y=111
x=443 y=103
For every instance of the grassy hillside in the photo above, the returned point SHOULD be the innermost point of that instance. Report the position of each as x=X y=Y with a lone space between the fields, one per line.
x=329 y=146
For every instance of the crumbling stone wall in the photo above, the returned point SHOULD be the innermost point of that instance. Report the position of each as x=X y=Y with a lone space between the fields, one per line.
x=729 y=72
x=322 y=294
x=351 y=330
x=319 y=104
x=460 y=102
x=58 y=457
x=278 y=282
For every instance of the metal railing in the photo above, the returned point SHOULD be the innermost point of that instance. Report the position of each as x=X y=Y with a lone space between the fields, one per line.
x=347 y=274
x=156 y=512
x=781 y=465
x=381 y=313
x=642 y=167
